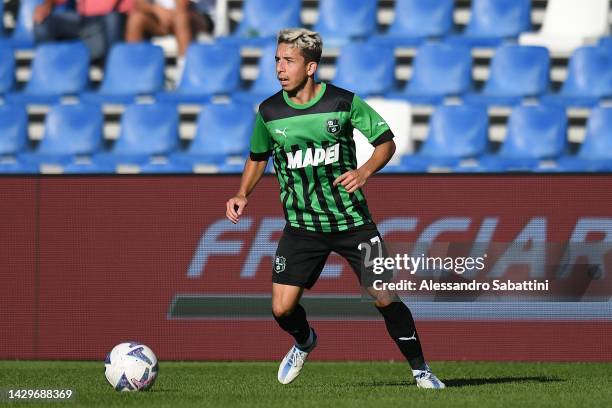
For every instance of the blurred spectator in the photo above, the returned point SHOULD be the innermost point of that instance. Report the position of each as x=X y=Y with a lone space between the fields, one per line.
x=181 y=18
x=98 y=23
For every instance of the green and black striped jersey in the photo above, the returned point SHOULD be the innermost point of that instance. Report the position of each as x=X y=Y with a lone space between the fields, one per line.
x=311 y=145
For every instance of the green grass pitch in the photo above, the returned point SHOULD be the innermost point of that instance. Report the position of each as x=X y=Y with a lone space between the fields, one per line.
x=322 y=384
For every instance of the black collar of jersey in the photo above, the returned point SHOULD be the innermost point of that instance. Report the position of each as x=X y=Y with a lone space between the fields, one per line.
x=334 y=99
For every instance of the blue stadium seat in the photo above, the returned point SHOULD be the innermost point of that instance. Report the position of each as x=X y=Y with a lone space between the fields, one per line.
x=59 y=69
x=438 y=70
x=266 y=84
x=70 y=131
x=416 y=21
x=131 y=70
x=13 y=140
x=343 y=20
x=589 y=78
x=262 y=19
x=222 y=130
x=456 y=133
x=7 y=69
x=1 y=18
x=166 y=167
x=605 y=43
x=147 y=130
x=16 y=167
x=89 y=166
x=365 y=68
x=595 y=154
x=23 y=34
x=13 y=130
x=210 y=69
x=516 y=72
x=493 y=21
x=535 y=133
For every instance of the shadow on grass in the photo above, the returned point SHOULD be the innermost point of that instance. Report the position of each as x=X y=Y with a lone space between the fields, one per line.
x=465 y=382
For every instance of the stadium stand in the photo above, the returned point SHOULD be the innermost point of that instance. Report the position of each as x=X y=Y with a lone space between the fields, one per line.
x=569 y=25
x=263 y=19
x=589 y=79
x=131 y=70
x=148 y=132
x=71 y=131
x=7 y=69
x=605 y=43
x=494 y=21
x=517 y=72
x=335 y=14
x=266 y=83
x=535 y=134
x=416 y=21
x=59 y=69
x=222 y=135
x=456 y=133
x=13 y=139
x=220 y=144
x=210 y=69
x=366 y=60
x=429 y=52
x=13 y=128
x=595 y=153
x=23 y=34
x=438 y=71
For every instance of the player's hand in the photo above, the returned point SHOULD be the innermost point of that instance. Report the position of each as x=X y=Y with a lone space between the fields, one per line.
x=352 y=180
x=235 y=207
x=41 y=12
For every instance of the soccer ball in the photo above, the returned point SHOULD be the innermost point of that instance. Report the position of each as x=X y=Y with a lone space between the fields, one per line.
x=131 y=367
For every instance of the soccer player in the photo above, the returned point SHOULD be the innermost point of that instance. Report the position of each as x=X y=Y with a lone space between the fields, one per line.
x=308 y=129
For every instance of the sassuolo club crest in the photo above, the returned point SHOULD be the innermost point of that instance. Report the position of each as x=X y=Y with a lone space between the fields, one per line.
x=333 y=126
x=279 y=264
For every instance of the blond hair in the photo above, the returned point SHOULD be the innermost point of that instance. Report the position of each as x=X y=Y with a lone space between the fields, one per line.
x=308 y=42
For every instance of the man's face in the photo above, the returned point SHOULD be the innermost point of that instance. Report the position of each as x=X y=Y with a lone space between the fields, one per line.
x=292 y=70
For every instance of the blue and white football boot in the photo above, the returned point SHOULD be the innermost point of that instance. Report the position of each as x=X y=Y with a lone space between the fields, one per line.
x=426 y=379
x=293 y=362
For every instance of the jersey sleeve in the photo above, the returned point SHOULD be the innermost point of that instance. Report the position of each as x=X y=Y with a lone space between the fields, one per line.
x=369 y=122
x=261 y=143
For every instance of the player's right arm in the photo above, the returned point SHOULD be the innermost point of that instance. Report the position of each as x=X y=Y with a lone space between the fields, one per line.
x=253 y=170
x=261 y=147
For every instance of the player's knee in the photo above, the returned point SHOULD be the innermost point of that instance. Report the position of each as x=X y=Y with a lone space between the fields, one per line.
x=383 y=302
x=280 y=311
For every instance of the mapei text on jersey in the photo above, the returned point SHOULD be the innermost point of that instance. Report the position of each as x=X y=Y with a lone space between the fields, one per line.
x=313 y=156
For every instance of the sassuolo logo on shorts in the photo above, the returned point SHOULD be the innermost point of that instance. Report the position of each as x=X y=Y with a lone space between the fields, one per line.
x=313 y=156
x=279 y=263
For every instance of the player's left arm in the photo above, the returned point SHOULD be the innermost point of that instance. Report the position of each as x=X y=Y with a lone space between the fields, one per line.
x=376 y=130
x=355 y=179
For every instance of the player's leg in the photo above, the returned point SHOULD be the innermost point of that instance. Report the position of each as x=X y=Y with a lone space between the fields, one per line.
x=299 y=260
x=402 y=329
x=289 y=314
x=398 y=318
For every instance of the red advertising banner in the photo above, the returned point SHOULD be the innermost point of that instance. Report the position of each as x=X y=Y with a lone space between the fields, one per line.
x=88 y=262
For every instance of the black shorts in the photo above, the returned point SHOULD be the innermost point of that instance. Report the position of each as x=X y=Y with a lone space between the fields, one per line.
x=301 y=254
